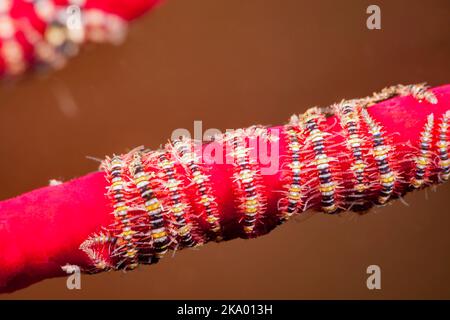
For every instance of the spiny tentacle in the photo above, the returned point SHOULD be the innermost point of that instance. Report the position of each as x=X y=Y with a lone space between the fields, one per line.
x=251 y=200
x=293 y=199
x=158 y=232
x=124 y=232
x=205 y=198
x=381 y=153
x=423 y=160
x=443 y=150
x=327 y=187
x=349 y=119
x=177 y=205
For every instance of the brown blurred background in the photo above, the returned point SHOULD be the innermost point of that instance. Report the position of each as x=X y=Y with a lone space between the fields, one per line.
x=233 y=63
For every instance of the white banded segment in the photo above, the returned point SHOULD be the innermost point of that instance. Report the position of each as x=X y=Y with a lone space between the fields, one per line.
x=159 y=236
x=91 y=248
x=252 y=202
x=442 y=146
x=125 y=238
x=350 y=122
x=381 y=155
x=423 y=160
x=293 y=198
x=177 y=205
x=421 y=92
x=327 y=186
x=204 y=196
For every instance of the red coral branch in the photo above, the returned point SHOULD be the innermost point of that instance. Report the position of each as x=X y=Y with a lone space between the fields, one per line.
x=350 y=156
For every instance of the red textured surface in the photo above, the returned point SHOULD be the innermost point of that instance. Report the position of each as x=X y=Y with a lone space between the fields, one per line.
x=42 y=230
x=129 y=9
x=23 y=11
